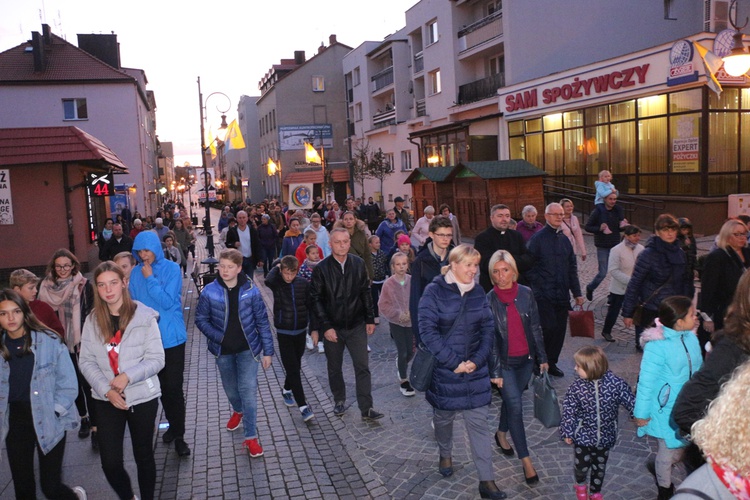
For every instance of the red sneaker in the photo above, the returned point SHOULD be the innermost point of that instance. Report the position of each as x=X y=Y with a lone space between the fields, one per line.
x=253 y=447
x=234 y=421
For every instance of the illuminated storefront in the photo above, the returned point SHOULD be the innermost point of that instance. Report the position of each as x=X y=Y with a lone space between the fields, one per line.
x=648 y=117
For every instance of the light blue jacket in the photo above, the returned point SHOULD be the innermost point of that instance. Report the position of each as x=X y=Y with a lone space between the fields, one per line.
x=670 y=358
x=54 y=388
x=162 y=291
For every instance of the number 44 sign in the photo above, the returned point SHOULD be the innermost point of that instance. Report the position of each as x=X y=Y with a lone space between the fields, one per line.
x=101 y=184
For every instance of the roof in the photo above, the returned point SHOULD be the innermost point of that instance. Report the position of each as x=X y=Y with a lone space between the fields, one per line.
x=28 y=146
x=498 y=169
x=64 y=63
x=434 y=174
x=315 y=177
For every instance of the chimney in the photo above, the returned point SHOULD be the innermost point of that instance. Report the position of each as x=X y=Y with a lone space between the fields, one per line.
x=332 y=39
x=47 y=33
x=321 y=48
x=37 y=44
x=299 y=57
x=103 y=47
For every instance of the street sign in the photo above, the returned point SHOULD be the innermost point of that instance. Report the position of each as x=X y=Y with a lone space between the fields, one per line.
x=100 y=185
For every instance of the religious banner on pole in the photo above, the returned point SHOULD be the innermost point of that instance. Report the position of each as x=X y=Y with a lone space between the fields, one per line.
x=300 y=196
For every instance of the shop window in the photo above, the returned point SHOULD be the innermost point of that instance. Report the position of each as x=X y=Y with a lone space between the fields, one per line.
x=652 y=146
x=515 y=128
x=533 y=126
x=517 y=148
x=573 y=119
x=553 y=153
x=535 y=150
x=684 y=143
x=574 y=147
x=722 y=148
x=744 y=183
x=745 y=145
x=720 y=185
x=552 y=122
x=689 y=100
x=652 y=106
x=623 y=148
x=729 y=99
x=597 y=115
x=75 y=109
x=685 y=185
x=622 y=111
x=597 y=149
x=745 y=98
x=652 y=184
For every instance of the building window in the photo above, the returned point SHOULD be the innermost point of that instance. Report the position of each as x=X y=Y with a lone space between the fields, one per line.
x=75 y=109
x=495 y=65
x=355 y=77
x=318 y=83
x=358 y=112
x=273 y=119
x=494 y=6
x=406 y=161
x=432 y=33
x=388 y=160
x=435 y=82
x=669 y=10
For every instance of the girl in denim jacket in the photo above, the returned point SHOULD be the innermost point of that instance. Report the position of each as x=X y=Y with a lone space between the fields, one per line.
x=37 y=406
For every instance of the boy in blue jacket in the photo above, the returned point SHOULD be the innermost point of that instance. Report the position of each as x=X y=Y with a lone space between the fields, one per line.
x=232 y=315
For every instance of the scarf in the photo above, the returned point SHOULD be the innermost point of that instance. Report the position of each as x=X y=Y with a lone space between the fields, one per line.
x=65 y=298
x=517 y=343
x=450 y=278
x=396 y=224
x=292 y=233
x=106 y=234
x=736 y=484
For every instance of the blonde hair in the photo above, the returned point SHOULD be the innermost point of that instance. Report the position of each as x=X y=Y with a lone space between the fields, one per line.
x=726 y=232
x=460 y=254
x=592 y=360
x=21 y=277
x=724 y=434
x=398 y=255
x=503 y=256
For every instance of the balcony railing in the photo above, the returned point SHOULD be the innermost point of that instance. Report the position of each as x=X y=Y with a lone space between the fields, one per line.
x=384 y=119
x=418 y=62
x=382 y=79
x=480 y=89
x=479 y=32
x=421 y=107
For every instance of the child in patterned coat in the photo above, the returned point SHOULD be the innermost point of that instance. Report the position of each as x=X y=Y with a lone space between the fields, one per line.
x=589 y=417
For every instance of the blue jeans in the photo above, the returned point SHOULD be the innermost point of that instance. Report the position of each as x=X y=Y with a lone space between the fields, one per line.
x=515 y=378
x=239 y=376
x=602 y=256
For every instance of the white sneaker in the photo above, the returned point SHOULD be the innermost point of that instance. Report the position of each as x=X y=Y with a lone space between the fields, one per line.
x=321 y=350
x=368 y=348
x=80 y=492
x=309 y=343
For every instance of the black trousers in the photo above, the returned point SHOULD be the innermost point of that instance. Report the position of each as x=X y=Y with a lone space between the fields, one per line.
x=84 y=401
x=554 y=320
x=593 y=459
x=172 y=395
x=140 y=420
x=20 y=444
x=291 y=349
x=355 y=341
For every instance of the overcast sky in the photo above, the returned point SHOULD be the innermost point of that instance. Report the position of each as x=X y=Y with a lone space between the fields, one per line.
x=229 y=47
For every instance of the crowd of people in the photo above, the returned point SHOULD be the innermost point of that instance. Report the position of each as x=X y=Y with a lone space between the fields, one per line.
x=492 y=315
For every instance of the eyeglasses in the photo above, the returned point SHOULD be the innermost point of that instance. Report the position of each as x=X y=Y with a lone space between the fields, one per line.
x=65 y=267
x=557 y=214
x=740 y=235
x=443 y=235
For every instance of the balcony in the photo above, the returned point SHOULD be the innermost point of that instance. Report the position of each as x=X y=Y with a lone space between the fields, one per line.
x=421 y=108
x=383 y=119
x=480 y=31
x=480 y=89
x=382 y=79
x=418 y=62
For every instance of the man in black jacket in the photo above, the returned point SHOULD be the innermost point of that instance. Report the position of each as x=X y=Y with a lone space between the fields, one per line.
x=342 y=306
x=605 y=224
x=499 y=236
x=118 y=242
x=244 y=238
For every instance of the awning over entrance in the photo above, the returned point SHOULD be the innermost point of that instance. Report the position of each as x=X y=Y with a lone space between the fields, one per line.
x=315 y=177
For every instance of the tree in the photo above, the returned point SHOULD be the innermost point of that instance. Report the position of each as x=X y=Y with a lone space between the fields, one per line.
x=380 y=168
x=361 y=164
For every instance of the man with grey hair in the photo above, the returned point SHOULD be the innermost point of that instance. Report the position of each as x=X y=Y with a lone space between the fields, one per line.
x=244 y=237
x=553 y=278
x=421 y=229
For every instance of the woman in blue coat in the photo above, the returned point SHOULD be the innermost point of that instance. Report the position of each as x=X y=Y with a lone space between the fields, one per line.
x=456 y=326
x=387 y=231
x=671 y=356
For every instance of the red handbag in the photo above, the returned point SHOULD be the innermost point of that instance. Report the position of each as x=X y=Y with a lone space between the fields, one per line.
x=581 y=322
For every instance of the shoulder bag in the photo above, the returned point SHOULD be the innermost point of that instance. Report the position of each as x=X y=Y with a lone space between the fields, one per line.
x=420 y=375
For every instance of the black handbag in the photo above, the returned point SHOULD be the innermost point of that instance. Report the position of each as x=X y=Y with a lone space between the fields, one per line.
x=420 y=375
x=546 y=405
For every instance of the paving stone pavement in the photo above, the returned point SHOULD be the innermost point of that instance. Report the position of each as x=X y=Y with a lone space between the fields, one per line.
x=345 y=457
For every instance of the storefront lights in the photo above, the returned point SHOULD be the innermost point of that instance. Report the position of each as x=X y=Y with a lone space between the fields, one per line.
x=737 y=63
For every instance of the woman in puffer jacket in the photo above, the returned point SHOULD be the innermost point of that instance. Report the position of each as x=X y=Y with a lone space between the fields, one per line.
x=671 y=355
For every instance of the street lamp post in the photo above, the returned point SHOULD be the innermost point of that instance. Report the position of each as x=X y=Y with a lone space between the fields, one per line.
x=211 y=261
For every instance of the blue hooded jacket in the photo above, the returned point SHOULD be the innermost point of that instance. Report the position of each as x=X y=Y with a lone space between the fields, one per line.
x=161 y=291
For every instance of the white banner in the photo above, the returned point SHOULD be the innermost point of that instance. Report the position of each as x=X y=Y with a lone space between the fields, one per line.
x=300 y=196
x=6 y=202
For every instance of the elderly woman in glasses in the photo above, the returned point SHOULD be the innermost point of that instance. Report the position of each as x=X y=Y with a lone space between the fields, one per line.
x=71 y=295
